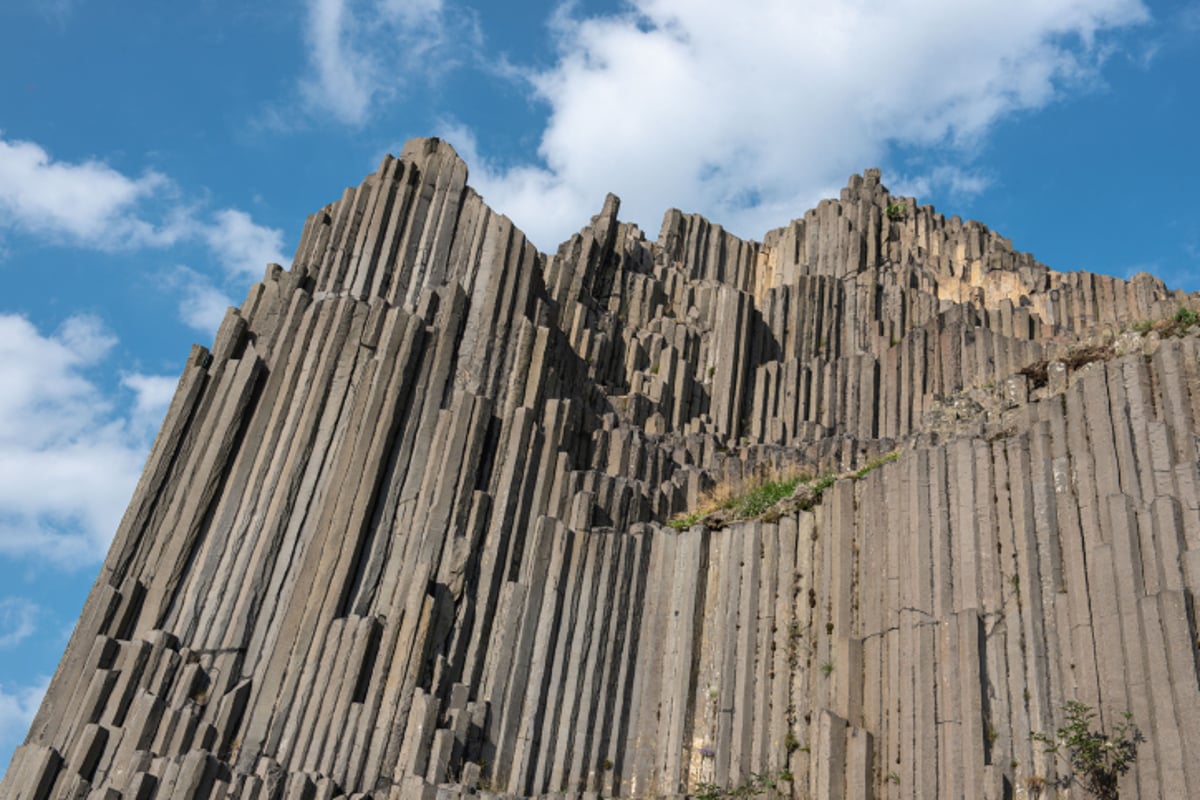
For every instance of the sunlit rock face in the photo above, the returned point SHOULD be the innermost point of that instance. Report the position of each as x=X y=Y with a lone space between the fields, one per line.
x=439 y=514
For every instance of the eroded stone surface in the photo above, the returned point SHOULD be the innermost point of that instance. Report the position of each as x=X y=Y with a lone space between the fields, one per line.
x=402 y=532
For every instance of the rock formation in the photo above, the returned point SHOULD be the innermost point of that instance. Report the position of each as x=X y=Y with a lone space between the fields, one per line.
x=402 y=534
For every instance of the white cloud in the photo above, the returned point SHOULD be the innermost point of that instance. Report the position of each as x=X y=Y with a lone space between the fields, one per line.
x=244 y=247
x=18 y=621
x=69 y=459
x=91 y=205
x=750 y=114
x=18 y=706
x=152 y=396
x=547 y=208
x=955 y=181
x=202 y=305
x=359 y=50
x=343 y=75
x=87 y=203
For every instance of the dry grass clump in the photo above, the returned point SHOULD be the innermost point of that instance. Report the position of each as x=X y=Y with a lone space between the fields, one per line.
x=768 y=493
x=1177 y=324
x=745 y=497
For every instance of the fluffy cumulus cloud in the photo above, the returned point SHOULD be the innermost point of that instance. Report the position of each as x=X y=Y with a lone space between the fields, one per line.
x=86 y=202
x=70 y=455
x=89 y=204
x=202 y=303
x=244 y=247
x=358 y=49
x=751 y=114
x=151 y=396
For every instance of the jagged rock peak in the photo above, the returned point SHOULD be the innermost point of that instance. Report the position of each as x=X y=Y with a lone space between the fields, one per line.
x=851 y=512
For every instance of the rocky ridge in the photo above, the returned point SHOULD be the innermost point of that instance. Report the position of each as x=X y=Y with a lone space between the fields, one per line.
x=402 y=533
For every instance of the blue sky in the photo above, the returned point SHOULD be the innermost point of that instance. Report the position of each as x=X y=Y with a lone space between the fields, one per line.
x=153 y=159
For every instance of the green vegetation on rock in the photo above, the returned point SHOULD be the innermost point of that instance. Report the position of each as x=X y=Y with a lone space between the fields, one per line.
x=1098 y=759
x=765 y=494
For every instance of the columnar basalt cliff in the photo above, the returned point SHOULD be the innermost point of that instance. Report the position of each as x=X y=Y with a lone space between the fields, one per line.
x=403 y=532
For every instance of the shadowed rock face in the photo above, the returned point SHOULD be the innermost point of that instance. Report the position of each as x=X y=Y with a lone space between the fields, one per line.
x=401 y=534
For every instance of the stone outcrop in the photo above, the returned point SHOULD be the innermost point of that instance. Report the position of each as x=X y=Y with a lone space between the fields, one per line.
x=402 y=534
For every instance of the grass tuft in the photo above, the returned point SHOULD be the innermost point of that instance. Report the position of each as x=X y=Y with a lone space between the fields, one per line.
x=1178 y=324
x=763 y=496
x=1185 y=317
x=744 y=499
x=875 y=464
x=755 y=497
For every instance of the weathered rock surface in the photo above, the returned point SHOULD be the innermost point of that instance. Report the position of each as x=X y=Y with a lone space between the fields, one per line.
x=402 y=532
